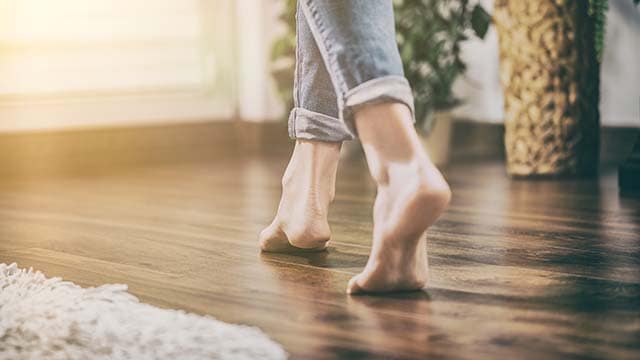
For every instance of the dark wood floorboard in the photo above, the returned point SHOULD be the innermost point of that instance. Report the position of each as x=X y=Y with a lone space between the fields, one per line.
x=519 y=269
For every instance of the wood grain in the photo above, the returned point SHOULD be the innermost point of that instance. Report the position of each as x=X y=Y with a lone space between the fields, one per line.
x=519 y=269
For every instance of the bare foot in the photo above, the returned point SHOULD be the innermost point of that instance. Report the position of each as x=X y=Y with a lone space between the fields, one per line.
x=308 y=187
x=411 y=196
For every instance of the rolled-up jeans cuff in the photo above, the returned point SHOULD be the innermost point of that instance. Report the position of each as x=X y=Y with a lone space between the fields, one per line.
x=309 y=125
x=392 y=88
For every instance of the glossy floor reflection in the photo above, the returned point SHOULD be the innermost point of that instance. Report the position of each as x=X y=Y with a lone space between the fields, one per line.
x=519 y=269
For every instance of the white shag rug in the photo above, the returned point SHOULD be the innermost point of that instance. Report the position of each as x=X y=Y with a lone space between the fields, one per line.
x=44 y=318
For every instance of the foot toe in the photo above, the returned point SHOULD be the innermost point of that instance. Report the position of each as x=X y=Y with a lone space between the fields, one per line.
x=366 y=283
x=354 y=287
x=273 y=239
x=310 y=245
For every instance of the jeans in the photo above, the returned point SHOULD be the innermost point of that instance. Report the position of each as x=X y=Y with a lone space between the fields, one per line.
x=346 y=57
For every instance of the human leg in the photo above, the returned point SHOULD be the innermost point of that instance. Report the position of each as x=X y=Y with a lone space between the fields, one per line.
x=357 y=42
x=308 y=184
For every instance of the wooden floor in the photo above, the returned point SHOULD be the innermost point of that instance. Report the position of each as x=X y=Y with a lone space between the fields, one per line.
x=519 y=269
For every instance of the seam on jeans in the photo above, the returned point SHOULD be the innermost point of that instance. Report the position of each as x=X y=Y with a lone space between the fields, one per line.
x=314 y=23
x=291 y=123
x=401 y=80
x=338 y=134
x=296 y=94
x=390 y=88
x=309 y=113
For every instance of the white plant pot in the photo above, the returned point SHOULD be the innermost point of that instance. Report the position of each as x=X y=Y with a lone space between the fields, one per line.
x=351 y=149
x=438 y=141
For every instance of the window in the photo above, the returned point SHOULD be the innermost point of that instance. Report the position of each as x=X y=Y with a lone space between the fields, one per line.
x=76 y=63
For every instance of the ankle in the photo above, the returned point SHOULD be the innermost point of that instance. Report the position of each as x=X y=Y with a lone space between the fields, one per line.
x=318 y=149
x=310 y=176
x=312 y=158
x=419 y=177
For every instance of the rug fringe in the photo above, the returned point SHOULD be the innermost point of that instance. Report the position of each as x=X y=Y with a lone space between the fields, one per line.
x=52 y=318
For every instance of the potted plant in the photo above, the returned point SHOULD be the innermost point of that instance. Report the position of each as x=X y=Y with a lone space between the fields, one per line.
x=550 y=53
x=283 y=54
x=550 y=77
x=429 y=34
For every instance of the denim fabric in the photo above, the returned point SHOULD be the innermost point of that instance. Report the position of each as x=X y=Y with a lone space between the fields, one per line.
x=346 y=57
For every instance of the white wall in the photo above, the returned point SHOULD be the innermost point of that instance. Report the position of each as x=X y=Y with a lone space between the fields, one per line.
x=257 y=27
x=620 y=102
x=620 y=74
x=78 y=63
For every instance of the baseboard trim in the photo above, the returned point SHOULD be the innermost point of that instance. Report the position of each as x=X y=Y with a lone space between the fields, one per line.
x=106 y=149
x=473 y=140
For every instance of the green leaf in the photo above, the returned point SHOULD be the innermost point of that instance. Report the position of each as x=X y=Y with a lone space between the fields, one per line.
x=282 y=47
x=437 y=48
x=480 y=21
x=406 y=53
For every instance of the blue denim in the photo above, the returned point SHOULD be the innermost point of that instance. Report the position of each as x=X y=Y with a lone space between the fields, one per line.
x=346 y=57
